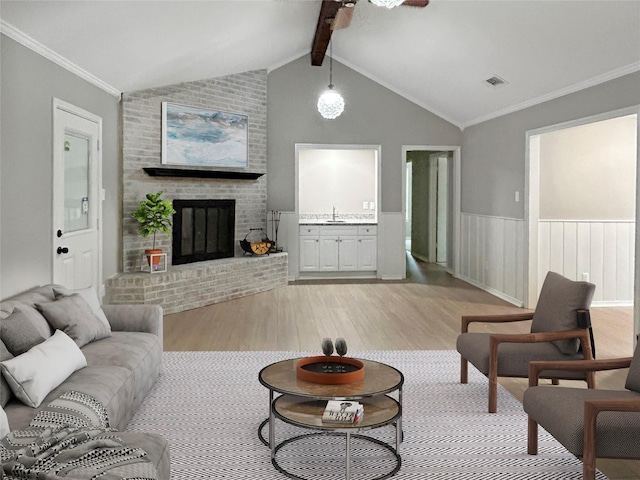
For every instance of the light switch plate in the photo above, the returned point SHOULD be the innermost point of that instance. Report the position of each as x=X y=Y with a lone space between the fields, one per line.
x=365 y=205
x=372 y=205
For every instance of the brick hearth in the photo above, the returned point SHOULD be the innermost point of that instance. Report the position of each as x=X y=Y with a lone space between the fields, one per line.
x=194 y=285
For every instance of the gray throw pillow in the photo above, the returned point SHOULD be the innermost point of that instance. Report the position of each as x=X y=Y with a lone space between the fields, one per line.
x=90 y=296
x=559 y=300
x=5 y=390
x=18 y=333
x=73 y=315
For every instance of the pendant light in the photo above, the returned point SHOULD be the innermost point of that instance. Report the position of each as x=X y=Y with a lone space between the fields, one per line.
x=330 y=103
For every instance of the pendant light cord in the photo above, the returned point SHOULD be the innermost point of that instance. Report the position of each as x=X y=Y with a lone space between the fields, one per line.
x=331 y=64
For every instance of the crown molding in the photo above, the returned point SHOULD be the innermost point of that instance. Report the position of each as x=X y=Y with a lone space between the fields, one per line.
x=576 y=87
x=288 y=60
x=25 y=40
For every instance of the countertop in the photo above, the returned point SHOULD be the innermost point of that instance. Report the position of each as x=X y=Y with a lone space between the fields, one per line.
x=352 y=221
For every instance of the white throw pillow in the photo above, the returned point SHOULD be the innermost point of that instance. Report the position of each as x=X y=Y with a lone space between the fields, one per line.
x=35 y=373
x=4 y=423
x=91 y=297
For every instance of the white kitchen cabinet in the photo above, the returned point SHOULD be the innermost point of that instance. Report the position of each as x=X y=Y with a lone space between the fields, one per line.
x=329 y=253
x=348 y=253
x=309 y=249
x=338 y=248
x=367 y=248
x=367 y=253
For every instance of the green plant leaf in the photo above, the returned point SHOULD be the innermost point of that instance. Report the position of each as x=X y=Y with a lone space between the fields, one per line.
x=153 y=215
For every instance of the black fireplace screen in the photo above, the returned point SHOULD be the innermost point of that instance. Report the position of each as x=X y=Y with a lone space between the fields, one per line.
x=203 y=230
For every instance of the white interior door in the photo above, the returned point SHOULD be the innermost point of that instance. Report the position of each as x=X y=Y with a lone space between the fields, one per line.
x=77 y=184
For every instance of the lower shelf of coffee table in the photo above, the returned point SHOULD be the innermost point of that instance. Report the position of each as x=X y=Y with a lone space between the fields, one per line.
x=305 y=412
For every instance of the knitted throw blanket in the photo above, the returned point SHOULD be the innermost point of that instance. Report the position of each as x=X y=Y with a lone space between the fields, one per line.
x=71 y=438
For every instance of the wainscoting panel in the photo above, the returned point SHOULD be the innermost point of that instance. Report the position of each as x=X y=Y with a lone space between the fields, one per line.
x=602 y=252
x=492 y=255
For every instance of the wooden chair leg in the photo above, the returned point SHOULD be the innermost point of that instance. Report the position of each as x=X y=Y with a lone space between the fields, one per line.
x=493 y=375
x=588 y=471
x=464 y=370
x=589 y=442
x=493 y=393
x=591 y=379
x=532 y=437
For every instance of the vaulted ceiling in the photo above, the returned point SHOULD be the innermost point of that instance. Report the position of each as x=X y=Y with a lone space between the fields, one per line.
x=439 y=56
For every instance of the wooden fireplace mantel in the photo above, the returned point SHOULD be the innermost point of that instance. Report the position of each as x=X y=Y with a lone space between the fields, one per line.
x=199 y=173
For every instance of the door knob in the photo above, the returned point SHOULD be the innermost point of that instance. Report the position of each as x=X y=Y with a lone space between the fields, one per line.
x=59 y=233
x=62 y=250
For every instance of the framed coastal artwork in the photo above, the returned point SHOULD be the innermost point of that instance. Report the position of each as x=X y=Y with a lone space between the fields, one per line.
x=199 y=137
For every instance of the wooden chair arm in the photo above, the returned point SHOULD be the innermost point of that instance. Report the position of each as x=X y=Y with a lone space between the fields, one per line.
x=592 y=408
x=511 y=317
x=612 y=404
x=535 y=368
x=539 y=336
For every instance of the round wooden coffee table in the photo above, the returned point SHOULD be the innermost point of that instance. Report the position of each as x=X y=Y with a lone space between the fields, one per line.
x=301 y=403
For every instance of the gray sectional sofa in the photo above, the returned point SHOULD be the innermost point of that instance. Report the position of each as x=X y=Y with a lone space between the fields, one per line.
x=123 y=354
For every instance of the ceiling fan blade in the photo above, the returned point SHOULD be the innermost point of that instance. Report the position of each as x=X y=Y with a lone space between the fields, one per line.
x=343 y=18
x=415 y=3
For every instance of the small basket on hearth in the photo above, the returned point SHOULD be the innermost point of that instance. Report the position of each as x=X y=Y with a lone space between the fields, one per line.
x=256 y=242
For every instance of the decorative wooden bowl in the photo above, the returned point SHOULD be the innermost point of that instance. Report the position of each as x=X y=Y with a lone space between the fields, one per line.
x=312 y=369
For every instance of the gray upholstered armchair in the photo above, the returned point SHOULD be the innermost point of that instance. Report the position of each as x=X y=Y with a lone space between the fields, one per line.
x=589 y=423
x=556 y=334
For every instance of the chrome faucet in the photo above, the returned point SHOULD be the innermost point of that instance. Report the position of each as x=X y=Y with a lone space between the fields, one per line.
x=334 y=213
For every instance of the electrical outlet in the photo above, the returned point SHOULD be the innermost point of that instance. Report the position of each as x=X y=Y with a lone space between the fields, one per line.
x=372 y=205
x=585 y=277
x=365 y=205
x=517 y=196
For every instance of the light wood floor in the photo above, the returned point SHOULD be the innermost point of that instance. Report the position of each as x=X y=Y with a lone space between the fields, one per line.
x=422 y=313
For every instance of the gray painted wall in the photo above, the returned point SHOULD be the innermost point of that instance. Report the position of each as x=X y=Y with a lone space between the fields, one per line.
x=589 y=172
x=373 y=115
x=29 y=84
x=493 y=152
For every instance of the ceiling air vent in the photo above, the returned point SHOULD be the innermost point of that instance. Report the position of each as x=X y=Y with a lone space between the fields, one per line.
x=496 y=81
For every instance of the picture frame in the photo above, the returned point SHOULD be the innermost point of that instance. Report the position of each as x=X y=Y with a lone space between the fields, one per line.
x=199 y=137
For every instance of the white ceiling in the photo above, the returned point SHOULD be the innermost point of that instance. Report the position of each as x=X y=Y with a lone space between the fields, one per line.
x=439 y=57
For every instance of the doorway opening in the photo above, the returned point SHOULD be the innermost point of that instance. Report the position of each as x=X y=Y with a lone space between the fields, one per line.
x=581 y=197
x=431 y=205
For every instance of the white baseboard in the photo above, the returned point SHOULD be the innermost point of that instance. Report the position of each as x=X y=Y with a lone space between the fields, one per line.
x=496 y=293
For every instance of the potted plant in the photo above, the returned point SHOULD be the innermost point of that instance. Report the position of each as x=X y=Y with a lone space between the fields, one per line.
x=154 y=215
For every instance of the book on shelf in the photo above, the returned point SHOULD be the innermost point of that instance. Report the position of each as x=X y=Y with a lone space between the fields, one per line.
x=343 y=411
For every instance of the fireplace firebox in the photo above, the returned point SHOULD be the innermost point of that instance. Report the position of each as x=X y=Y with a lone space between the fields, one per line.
x=203 y=230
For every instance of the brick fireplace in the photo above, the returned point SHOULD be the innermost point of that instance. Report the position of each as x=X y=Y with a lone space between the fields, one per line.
x=244 y=93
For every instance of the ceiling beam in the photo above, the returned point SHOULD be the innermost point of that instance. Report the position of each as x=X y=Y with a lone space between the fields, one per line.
x=415 y=3
x=324 y=29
